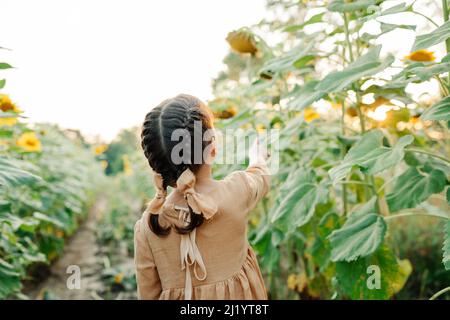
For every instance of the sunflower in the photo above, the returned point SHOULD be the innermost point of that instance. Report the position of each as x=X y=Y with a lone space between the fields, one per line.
x=98 y=150
x=277 y=125
x=336 y=105
x=414 y=119
x=260 y=128
x=292 y=281
x=225 y=114
x=223 y=108
x=266 y=74
x=29 y=142
x=421 y=55
x=127 y=169
x=310 y=115
x=6 y=105
x=104 y=164
x=8 y=121
x=242 y=41
x=118 y=278
x=297 y=282
x=352 y=112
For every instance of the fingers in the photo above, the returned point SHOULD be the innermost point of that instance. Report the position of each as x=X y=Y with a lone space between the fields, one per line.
x=258 y=152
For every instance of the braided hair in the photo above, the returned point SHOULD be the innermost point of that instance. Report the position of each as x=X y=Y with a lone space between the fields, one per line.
x=180 y=112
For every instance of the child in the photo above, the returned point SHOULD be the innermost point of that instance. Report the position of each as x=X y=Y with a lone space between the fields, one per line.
x=192 y=243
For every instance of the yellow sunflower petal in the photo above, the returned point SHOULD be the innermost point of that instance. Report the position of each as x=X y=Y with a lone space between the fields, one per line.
x=98 y=150
x=29 y=142
x=292 y=281
x=336 y=105
x=6 y=105
x=310 y=115
x=8 y=121
x=260 y=128
x=118 y=278
x=421 y=55
x=127 y=169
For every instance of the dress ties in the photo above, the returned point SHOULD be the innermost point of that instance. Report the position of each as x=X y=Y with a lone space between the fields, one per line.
x=190 y=256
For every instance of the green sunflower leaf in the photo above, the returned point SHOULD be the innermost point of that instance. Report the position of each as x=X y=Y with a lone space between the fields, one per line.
x=301 y=195
x=366 y=65
x=438 y=35
x=370 y=155
x=438 y=111
x=413 y=187
x=360 y=236
x=376 y=277
x=344 y=6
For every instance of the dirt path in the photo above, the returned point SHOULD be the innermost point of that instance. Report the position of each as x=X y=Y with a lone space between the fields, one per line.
x=82 y=251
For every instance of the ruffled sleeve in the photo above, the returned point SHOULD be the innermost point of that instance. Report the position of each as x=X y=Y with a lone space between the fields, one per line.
x=147 y=278
x=251 y=184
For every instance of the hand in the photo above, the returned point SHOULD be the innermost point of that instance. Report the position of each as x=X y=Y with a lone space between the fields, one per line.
x=257 y=153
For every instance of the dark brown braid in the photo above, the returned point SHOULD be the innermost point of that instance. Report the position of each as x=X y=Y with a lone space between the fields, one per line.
x=180 y=112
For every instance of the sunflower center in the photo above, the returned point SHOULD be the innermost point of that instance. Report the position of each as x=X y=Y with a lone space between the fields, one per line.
x=6 y=107
x=30 y=142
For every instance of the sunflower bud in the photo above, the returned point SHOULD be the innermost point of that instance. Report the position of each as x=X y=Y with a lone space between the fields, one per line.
x=242 y=41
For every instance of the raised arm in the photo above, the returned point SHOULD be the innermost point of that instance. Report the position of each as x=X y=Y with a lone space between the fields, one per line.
x=252 y=184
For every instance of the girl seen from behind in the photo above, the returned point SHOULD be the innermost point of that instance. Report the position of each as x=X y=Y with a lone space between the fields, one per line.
x=192 y=243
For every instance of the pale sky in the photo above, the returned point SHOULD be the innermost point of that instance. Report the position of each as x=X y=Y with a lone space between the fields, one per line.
x=100 y=65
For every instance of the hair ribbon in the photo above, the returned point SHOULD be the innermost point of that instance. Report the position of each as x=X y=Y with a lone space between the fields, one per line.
x=158 y=200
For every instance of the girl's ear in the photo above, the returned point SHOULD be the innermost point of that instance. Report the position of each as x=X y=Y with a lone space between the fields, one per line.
x=214 y=143
x=213 y=149
x=210 y=152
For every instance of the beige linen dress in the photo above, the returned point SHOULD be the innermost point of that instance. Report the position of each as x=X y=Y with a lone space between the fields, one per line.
x=215 y=261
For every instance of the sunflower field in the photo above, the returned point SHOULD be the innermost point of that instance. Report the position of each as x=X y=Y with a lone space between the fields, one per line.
x=363 y=185
x=50 y=179
x=364 y=169
x=47 y=182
